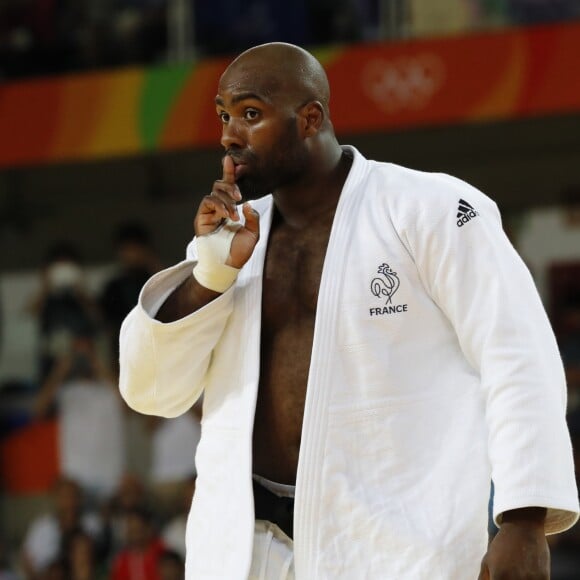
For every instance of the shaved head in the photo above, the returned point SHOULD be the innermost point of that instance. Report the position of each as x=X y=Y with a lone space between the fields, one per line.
x=272 y=102
x=280 y=71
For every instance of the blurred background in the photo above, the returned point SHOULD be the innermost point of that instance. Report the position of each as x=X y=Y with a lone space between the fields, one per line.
x=108 y=140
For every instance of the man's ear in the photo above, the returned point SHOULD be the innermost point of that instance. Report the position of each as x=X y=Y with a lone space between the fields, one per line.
x=311 y=118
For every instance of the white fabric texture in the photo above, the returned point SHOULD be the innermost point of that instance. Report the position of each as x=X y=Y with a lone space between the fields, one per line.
x=272 y=553
x=433 y=369
x=92 y=435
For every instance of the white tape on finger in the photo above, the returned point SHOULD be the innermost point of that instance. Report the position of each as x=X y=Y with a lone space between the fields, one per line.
x=213 y=250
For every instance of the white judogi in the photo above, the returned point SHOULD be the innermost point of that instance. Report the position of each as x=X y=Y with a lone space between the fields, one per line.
x=433 y=369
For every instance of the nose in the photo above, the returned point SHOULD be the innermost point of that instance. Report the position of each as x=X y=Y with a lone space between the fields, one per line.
x=231 y=136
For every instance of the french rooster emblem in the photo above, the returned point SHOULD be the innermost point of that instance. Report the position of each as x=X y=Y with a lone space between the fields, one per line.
x=386 y=286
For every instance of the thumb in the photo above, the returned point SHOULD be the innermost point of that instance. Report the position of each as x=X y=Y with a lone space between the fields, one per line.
x=252 y=219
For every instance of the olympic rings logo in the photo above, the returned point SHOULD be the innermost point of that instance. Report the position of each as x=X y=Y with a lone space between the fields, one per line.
x=406 y=82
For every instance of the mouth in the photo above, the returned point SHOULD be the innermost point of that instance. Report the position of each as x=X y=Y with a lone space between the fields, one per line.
x=240 y=164
x=240 y=169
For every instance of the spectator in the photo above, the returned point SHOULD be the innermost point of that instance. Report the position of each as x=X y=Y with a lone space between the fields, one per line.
x=56 y=570
x=79 y=552
x=92 y=445
x=43 y=540
x=171 y=566
x=569 y=343
x=6 y=569
x=63 y=305
x=173 y=446
x=335 y=21
x=173 y=534
x=139 y=559
x=139 y=30
x=130 y=495
x=538 y=11
x=136 y=263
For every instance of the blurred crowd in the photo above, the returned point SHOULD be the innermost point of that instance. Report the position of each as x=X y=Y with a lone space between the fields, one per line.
x=43 y=37
x=120 y=539
x=106 y=520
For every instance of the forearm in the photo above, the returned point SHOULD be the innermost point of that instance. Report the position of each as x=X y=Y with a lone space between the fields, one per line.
x=163 y=362
x=187 y=298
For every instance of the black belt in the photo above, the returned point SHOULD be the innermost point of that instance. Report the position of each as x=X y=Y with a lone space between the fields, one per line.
x=278 y=510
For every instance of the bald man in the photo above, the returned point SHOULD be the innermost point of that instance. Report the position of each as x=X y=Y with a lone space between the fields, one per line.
x=371 y=350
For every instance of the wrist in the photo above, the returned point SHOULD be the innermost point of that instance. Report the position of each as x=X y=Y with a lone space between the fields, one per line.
x=212 y=270
x=215 y=277
x=531 y=516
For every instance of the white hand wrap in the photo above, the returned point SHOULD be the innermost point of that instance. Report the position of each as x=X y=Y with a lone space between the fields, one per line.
x=213 y=250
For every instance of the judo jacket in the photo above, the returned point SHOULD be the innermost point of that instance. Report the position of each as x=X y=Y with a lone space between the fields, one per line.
x=434 y=370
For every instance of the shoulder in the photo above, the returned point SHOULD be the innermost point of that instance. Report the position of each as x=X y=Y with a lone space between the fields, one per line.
x=412 y=188
x=420 y=199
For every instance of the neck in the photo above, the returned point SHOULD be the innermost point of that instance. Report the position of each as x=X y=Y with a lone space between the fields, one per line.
x=318 y=193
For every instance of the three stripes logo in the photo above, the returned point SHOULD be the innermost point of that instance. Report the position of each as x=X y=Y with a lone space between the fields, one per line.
x=465 y=213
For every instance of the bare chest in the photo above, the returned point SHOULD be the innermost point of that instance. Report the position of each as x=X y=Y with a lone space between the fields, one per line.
x=292 y=274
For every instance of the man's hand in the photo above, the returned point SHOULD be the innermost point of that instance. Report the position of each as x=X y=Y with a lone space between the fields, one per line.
x=519 y=550
x=214 y=211
x=219 y=206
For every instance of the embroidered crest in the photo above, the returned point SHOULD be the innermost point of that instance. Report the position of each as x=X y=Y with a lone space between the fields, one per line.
x=386 y=286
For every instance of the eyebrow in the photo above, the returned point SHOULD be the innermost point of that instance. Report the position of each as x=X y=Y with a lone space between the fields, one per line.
x=240 y=97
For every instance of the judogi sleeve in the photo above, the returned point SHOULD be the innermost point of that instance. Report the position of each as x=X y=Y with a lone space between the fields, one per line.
x=475 y=276
x=163 y=365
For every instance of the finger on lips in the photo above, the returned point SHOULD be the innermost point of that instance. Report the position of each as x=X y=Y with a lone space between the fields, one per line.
x=229 y=169
x=229 y=176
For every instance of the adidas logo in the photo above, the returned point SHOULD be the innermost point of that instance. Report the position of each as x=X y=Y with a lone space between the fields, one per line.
x=465 y=213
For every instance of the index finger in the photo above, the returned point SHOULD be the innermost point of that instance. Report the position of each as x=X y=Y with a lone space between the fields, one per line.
x=229 y=169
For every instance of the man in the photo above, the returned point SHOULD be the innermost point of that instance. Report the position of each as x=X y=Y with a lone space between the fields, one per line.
x=365 y=333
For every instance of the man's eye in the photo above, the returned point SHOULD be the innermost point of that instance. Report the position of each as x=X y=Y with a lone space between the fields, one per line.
x=224 y=117
x=251 y=114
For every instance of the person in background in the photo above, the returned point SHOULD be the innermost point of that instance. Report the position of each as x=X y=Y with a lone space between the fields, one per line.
x=139 y=558
x=171 y=566
x=63 y=306
x=173 y=445
x=173 y=533
x=80 y=553
x=45 y=536
x=91 y=418
x=7 y=571
x=569 y=343
x=130 y=495
x=57 y=570
x=136 y=262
